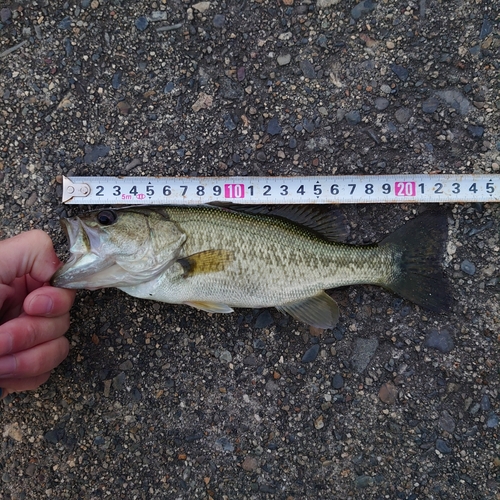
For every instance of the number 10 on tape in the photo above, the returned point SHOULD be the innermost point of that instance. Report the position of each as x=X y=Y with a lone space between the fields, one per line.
x=425 y=188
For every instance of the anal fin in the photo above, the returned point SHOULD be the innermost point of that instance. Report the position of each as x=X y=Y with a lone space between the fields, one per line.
x=213 y=307
x=320 y=311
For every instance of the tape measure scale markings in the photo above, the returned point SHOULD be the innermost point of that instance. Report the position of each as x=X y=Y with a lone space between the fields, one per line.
x=422 y=188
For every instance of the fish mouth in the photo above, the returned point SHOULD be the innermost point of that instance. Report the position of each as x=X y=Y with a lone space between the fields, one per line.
x=86 y=267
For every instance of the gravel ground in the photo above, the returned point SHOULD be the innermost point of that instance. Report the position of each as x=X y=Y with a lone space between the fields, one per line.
x=160 y=401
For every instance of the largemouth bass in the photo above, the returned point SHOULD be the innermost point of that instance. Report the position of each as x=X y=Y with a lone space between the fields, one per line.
x=215 y=259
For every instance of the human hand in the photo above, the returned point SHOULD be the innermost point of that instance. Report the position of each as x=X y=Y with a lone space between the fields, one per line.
x=33 y=315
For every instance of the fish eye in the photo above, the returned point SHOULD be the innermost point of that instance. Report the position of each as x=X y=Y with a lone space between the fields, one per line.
x=107 y=217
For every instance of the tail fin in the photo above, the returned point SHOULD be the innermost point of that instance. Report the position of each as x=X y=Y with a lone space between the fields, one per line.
x=419 y=247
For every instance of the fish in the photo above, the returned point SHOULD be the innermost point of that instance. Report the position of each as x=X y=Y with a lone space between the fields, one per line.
x=219 y=258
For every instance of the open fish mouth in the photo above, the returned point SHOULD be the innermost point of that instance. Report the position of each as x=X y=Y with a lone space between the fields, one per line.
x=86 y=268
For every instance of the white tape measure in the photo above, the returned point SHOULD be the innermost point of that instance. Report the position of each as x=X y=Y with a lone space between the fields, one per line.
x=423 y=188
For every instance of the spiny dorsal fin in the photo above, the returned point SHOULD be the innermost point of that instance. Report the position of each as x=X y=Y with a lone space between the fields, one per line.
x=208 y=261
x=320 y=311
x=328 y=223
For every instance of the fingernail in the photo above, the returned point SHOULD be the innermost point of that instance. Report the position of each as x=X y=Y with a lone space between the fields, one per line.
x=8 y=365
x=41 y=304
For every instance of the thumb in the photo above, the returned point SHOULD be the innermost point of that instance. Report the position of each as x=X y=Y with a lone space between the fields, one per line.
x=30 y=253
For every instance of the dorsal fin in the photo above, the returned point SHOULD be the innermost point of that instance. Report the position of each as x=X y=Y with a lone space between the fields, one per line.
x=328 y=223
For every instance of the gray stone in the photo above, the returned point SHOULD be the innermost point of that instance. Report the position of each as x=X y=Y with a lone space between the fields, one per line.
x=362 y=8
x=219 y=20
x=119 y=381
x=440 y=340
x=446 y=422
x=468 y=267
x=442 y=446
x=264 y=320
x=455 y=99
x=381 y=103
x=92 y=154
x=430 y=105
x=353 y=117
x=364 y=349
x=273 y=127
x=141 y=23
x=311 y=354
x=402 y=115
x=492 y=421
x=401 y=72
x=307 y=69
x=476 y=131
x=284 y=59
x=338 y=381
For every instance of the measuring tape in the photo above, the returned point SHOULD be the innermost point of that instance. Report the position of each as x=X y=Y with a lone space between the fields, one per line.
x=422 y=188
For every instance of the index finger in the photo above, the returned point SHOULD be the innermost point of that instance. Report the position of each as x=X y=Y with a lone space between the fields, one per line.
x=28 y=253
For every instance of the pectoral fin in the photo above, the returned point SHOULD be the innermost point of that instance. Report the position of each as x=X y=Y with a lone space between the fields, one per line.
x=320 y=311
x=208 y=261
x=213 y=307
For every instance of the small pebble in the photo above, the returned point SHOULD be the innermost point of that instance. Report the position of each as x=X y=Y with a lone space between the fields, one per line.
x=362 y=8
x=219 y=20
x=401 y=72
x=430 y=105
x=249 y=464
x=353 y=117
x=273 y=127
x=440 y=340
x=364 y=350
x=446 y=422
x=468 y=267
x=485 y=403
x=442 y=446
x=381 y=103
x=388 y=393
x=284 y=59
x=307 y=69
x=476 y=131
x=141 y=23
x=264 y=320
x=492 y=421
x=402 y=115
x=311 y=354
x=338 y=381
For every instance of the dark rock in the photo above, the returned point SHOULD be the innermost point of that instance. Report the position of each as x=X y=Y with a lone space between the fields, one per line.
x=364 y=349
x=486 y=28
x=116 y=81
x=442 y=446
x=5 y=14
x=492 y=421
x=440 y=340
x=468 y=267
x=224 y=444
x=230 y=89
x=362 y=8
x=307 y=69
x=194 y=437
x=273 y=127
x=381 y=103
x=353 y=117
x=264 y=320
x=476 y=131
x=65 y=24
x=219 y=20
x=430 y=105
x=168 y=87
x=446 y=422
x=322 y=41
x=54 y=436
x=119 y=381
x=485 y=403
x=402 y=115
x=92 y=154
x=292 y=143
x=401 y=72
x=338 y=381
x=141 y=23
x=455 y=99
x=68 y=47
x=229 y=122
x=311 y=354
x=363 y=482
